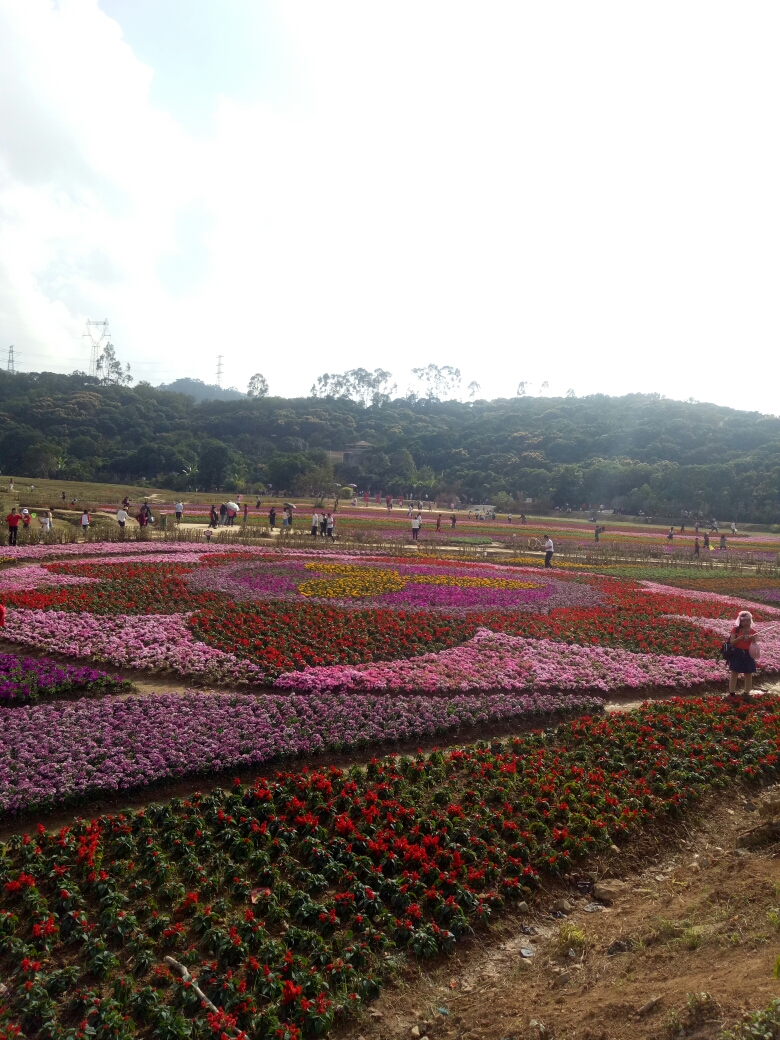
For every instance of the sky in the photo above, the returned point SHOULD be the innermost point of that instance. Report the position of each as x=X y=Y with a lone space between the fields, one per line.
x=579 y=194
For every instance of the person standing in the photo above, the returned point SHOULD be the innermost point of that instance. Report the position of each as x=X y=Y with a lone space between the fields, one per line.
x=696 y=547
x=415 y=527
x=179 y=507
x=682 y=527
x=121 y=517
x=596 y=533
x=330 y=523
x=723 y=540
x=696 y=527
x=142 y=518
x=670 y=536
x=549 y=549
x=26 y=519
x=453 y=520
x=323 y=525
x=85 y=523
x=12 y=520
x=509 y=518
x=272 y=518
x=706 y=540
x=222 y=514
x=733 y=527
x=744 y=651
x=214 y=518
x=45 y=521
x=315 y=524
x=246 y=512
x=438 y=522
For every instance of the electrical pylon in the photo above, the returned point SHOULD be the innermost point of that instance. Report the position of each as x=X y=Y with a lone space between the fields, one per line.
x=11 y=362
x=98 y=334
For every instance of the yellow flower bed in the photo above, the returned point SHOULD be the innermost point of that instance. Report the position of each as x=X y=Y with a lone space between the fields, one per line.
x=351 y=581
x=472 y=583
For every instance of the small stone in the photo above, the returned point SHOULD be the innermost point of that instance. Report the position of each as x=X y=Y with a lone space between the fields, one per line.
x=414 y=1033
x=522 y=908
x=526 y=951
x=608 y=891
x=524 y=964
x=562 y=979
x=695 y=865
x=618 y=946
x=375 y=1014
x=593 y=875
x=704 y=862
x=614 y=848
x=730 y=812
x=750 y=806
x=563 y=906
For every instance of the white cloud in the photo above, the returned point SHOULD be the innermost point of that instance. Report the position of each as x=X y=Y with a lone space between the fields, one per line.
x=584 y=194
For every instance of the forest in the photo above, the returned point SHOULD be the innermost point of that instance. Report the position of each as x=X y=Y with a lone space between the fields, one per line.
x=639 y=451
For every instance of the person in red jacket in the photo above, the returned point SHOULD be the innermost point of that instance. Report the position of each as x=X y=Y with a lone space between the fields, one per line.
x=12 y=520
x=142 y=518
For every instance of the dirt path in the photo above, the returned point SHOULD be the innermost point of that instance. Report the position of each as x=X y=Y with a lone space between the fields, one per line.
x=695 y=929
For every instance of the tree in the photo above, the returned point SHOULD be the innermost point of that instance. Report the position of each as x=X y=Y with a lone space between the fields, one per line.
x=521 y=387
x=438 y=380
x=473 y=389
x=571 y=392
x=358 y=384
x=213 y=464
x=109 y=368
x=258 y=386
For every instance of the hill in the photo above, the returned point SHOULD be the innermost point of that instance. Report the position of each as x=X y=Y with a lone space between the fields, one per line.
x=200 y=391
x=638 y=451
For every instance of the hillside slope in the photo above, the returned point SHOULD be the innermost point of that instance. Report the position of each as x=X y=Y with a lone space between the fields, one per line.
x=638 y=451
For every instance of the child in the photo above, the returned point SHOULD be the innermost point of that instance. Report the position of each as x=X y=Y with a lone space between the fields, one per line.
x=743 y=638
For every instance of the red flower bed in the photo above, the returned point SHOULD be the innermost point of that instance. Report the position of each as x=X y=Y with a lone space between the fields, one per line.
x=287 y=636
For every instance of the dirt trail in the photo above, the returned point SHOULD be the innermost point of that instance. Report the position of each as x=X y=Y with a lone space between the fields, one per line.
x=696 y=929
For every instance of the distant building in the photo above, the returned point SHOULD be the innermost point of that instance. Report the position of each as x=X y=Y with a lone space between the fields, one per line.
x=351 y=453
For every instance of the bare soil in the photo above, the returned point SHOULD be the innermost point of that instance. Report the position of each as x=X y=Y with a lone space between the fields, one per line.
x=686 y=950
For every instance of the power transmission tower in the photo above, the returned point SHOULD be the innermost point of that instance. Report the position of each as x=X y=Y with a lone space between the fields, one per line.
x=98 y=333
x=219 y=369
x=11 y=363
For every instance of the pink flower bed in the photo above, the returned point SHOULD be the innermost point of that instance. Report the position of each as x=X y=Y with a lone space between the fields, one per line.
x=31 y=575
x=493 y=660
x=158 y=641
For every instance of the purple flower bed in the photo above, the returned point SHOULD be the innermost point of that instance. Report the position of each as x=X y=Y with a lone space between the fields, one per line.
x=57 y=752
x=259 y=581
x=28 y=678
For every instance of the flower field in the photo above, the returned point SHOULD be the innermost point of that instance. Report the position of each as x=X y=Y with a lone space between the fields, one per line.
x=289 y=900
x=264 y=617
x=331 y=652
